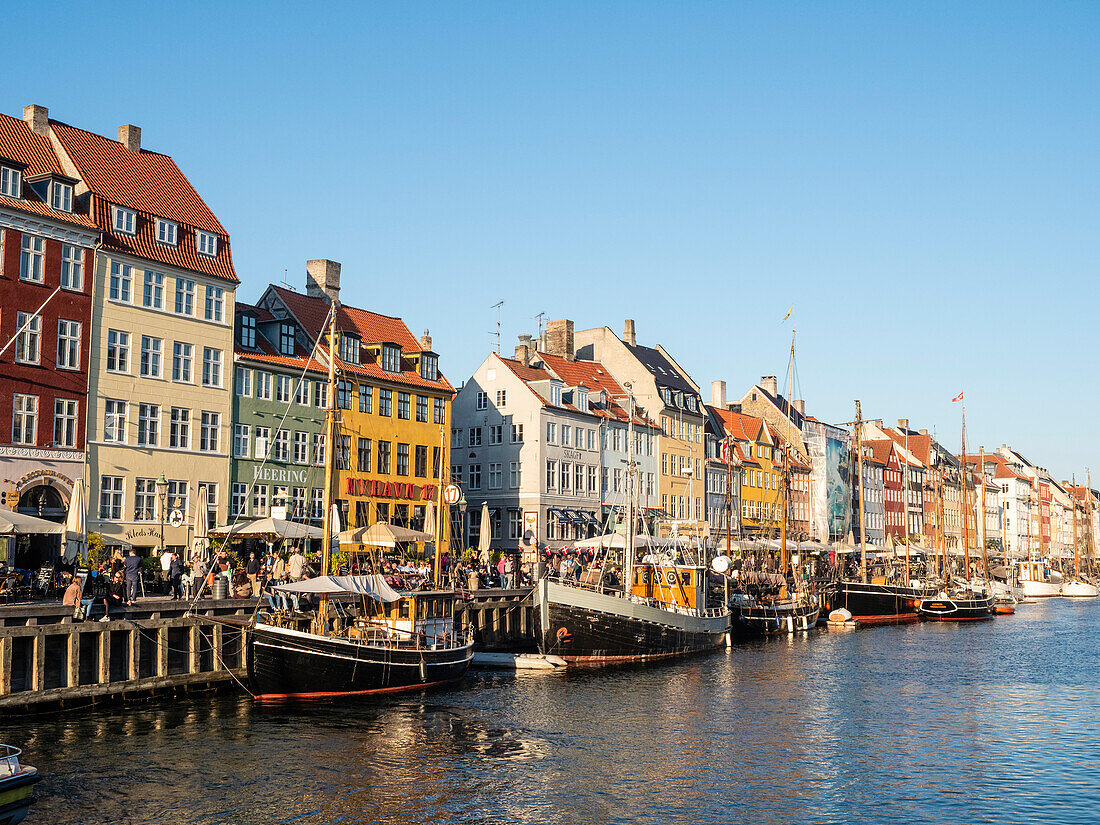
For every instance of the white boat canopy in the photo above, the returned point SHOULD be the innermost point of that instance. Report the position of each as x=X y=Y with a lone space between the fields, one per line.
x=617 y=541
x=373 y=586
x=268 y=528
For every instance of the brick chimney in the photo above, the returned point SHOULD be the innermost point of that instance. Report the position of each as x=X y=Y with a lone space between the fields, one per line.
x=628 y=333
x=323 y=279
x=559 y=339
x=903 y=423
x=923 y=432
x=768 y=383
x=425 y=342
x=38 y=118
x=718 y=394
x=524 y=350
x=130 y=137
x=800 y=405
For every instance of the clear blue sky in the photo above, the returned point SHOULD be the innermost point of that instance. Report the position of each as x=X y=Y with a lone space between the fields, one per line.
x=919 y=179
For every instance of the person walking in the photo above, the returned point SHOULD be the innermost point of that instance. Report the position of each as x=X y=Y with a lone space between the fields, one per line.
x=509 y=573
x=253 y=571
x=296 y=566
x=175 y=576
x=131 y=569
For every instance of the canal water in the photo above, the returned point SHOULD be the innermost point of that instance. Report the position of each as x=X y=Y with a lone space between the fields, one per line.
x=989 y=722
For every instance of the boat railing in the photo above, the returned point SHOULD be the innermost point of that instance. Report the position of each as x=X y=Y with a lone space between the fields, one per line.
x=9 y=760
x=387 y=635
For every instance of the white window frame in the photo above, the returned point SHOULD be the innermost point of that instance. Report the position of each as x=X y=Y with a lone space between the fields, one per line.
x=114 y=420
x=148 y=430
x=151 y=355
x=28 y=344
x=68 y=344
x=32 y=259
x=185 y=297
x=214 y=308
x=242 y=437
x=121 y=284
x=24 y=419
x=61 y=196
x=206 y=243
x=179 y=428
x=211 y=367
x=183 y=355
x=120 y=362
x=65 y=415
x=72 y=267
x=209 y=431
x=124 y=220
x=11 y=182
x=152 y=290
x=167 y=232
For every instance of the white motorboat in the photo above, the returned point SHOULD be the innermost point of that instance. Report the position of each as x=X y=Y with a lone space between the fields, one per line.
x=1078 y=589
x=1036 y=581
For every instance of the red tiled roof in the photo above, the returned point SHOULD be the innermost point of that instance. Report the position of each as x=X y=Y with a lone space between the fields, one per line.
x=738 y=425
x=153 y=186
x=145 y=181
x=371 y=328
x=594 y=377
x=881 y=449
x=262 y=315
x=18 y=142
x=267 y=353
x=918 y=445
x=525 y=373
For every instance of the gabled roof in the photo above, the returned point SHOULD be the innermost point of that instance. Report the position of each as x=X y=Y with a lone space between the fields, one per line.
x=881 y=449
x=594 y=377
x=917 y=444
x=781 y=404
x=739 y=426
x=34 y=151
x=144 y=181
x=371 y=327
x=663 y=370
x=153 y=186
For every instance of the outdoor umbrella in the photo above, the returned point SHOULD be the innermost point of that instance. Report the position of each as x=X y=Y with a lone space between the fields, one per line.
x=14 y=523
x=382 y=535
x=268 y=528
x=486 y=535
x=76 y=538
x=198 y=543
x=429 y=520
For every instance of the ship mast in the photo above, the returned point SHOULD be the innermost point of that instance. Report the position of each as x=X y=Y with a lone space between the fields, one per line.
x=965 y=493
x=981 y=515
x=1076 y=560
x=859 y=458
x=330 y=455
x=628 y=550
x=785 y=479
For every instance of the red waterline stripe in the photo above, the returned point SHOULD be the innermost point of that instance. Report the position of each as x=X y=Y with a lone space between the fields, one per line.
x=274 y=697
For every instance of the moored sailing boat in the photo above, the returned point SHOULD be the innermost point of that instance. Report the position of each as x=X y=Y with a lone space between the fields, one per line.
x=365 y=637
x=1077 y=587
x=658 y=609
x=877 y=600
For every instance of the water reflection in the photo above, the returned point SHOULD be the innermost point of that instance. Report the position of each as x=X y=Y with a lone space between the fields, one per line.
x=928 y=723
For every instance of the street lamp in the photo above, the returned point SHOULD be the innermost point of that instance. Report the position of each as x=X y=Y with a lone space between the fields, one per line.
x=162 y=500
x=462 y=520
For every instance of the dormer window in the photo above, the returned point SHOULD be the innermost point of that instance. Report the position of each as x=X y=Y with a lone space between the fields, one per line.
x=61 y=196
x=206 y=243
x=429 y=367
x=349 y=349
x=691 y=403
x=166 y=232
x=11 y=182
x=582 y=399
x=286 y=338
x=666 y=395
x=247 y=334
x=555 y=394
x=125 y=220
x=391 y=358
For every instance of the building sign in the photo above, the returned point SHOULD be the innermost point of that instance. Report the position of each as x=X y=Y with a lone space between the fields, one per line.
x=141 y=532
x=389 y=489
x=279 y=475
x=34 y=475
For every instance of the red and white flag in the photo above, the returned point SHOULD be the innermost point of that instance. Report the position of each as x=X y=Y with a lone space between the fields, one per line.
x=958 y=397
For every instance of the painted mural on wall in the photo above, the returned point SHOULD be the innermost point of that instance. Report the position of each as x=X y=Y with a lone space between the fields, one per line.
x=830 y=511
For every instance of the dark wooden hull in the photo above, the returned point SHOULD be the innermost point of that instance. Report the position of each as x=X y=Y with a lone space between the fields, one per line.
x=288 y=664
x=879 y=603
x=592 y=629
x=759 y=620
x=951 y=609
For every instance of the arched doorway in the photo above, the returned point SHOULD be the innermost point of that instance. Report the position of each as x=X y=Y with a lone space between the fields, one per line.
x=43 y=501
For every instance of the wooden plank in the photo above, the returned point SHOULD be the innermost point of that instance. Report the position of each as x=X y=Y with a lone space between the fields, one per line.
x=6 y=645
x=104 y=675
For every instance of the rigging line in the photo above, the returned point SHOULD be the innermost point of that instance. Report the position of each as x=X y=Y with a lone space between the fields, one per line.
x=267 y=457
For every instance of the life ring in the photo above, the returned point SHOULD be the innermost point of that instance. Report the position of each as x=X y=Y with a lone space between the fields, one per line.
x=563 y=636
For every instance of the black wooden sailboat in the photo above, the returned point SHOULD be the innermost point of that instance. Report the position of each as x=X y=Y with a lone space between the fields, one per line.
x=365 y=637
x=654 y=607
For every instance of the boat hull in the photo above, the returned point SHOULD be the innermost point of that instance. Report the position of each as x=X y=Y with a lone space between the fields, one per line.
x=290 y=664
x=1040 y=590
x=1079 y=590
x=874 y=604
x=17 y=795
x=589 y=628
x=957 y=609
x=758 y=620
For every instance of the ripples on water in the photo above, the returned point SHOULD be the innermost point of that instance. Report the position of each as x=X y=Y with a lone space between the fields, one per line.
x=993 y=722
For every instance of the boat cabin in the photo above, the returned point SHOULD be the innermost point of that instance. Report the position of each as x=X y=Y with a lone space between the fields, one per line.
x=1033 y=571
x=678 y=585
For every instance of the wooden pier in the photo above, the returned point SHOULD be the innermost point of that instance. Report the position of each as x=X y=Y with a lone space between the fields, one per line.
x=47 y=659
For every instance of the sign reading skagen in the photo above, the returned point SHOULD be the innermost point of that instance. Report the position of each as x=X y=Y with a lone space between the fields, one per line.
x=277 y=474
x=376 y=488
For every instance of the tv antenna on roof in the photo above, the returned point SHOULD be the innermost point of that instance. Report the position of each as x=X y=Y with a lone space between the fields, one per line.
x=540 y=316
x=497 y=307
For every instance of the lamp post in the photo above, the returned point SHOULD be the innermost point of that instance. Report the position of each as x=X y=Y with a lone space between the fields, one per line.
x=462 y=521
x=162 y=500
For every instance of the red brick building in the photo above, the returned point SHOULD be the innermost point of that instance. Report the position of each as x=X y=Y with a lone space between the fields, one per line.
x=47 y=243
x=893 y=482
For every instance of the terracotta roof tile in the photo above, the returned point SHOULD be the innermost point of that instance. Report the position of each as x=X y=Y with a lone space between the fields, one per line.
x=371 y=327
x=594 y=377
x=19 y=143
x=145 y=181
